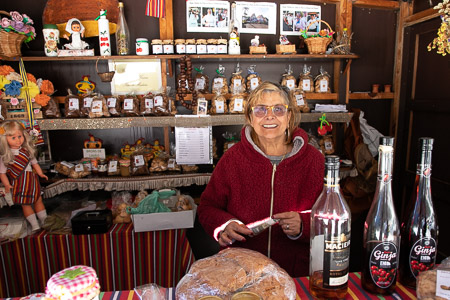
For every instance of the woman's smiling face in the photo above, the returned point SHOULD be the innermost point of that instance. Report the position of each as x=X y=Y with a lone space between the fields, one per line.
x=271 y=127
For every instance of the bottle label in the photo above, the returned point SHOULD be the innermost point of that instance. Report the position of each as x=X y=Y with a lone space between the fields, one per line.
x=383 y=264
x=422 y=256
x=336 y=260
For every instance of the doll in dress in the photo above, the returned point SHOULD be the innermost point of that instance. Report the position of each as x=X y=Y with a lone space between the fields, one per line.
x=17 y=162
x=76 y=30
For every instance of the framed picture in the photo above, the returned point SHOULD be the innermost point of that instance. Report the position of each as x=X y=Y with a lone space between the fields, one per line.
x=295 y=18
x=207 y=16
x=202 y=107
x=257 y=17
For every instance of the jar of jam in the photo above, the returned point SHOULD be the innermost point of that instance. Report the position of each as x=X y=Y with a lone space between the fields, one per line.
x=124 y=167
x=157 y=46
x=222 y=46
x=191 y=47
x=201 y=46
x=211 y=48
x=102 y=167
x=168 y=47
x=180 y=46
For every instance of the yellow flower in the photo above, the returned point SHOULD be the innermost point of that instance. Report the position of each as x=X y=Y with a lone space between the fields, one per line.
x=33 y=90
x=3 y=81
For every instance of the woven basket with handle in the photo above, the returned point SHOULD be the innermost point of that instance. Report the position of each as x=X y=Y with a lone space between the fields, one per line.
x=318 y=45
x=10 y=42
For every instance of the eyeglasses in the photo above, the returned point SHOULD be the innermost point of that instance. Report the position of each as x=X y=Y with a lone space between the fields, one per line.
x=278 y=110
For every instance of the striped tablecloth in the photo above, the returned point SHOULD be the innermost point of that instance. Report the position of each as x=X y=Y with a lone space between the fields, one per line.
x=355 y=291
x=122 y=258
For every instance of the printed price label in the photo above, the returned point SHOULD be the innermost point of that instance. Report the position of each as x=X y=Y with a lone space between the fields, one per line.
x=200 y=84
x=254 y=82
x=220 y=108
x=139 y=160
x=324 y=85
x=87 y=102
x=306 y=85
x=148 y=102
x=111 y=102
x=128 y=104
x=74 y=104
x=112 y=166
x=79 y=168
x=300 y=100
x=218 y=83
x=290 y=84
x=238 y=104
x=97 y=106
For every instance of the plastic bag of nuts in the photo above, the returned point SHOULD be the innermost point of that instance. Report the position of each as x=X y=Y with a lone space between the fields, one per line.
x=219 y=104
x=138 y=165
x=114 y=106
x=253 y=78
x=80 y=170
x=230 y=140
x=172 y=165
x=51 y=110
x=130 y=106
x=189 y=168
x=305 y=80
x=327 y=144
x=72 y=106
x=300 y=100
x=64 y=167
x=146 y=104
x=113 y=167
x=159 y=164
x=237 y=81
x=161 y=104
x=288 y=80
x=238 y=102
x=220 y=83
x=99 y=108
x=201 y=81
x=322 y=82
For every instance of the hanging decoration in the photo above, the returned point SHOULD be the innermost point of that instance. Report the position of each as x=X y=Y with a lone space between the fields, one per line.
x=324 y=126
x=156 y=8
x=442 y=41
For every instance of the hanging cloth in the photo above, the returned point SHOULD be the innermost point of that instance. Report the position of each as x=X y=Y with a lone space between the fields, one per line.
x=156 y=8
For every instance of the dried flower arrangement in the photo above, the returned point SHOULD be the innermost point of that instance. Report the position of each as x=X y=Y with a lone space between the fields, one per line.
x=442 y=41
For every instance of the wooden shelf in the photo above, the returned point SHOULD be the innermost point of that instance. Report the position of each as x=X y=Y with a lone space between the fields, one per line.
x=362 y=96
x=116 y=183
x=169 y=121
x=193 y=56
x=308 y=96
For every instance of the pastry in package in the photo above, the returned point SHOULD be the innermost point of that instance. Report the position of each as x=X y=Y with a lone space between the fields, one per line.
x=288 y=80
x=305 y=80
x=253 y=78
x=130 y=106
x=201 y=84
x=237 y=81
x=300 y=100
x=322 y=82
x=220 y=83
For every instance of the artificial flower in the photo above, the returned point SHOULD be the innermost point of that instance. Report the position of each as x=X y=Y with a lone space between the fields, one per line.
x=13 y=89
x=3 y=81
x=14 y=76
x=5 y=70
x=47 y=87
x=33 y=90
x=42 y=99
x=14 y=101
x=20 y=24
x=31 y=78
x=442 y=41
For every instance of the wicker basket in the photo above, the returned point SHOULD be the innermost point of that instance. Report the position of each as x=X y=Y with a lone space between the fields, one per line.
x=106 y=76
x=10 y=42
x=318 y=45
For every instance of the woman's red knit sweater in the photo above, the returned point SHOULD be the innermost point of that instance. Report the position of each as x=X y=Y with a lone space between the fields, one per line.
x=240 y=188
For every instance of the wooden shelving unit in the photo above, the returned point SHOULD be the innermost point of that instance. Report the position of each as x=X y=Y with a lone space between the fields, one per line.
x=368 y=96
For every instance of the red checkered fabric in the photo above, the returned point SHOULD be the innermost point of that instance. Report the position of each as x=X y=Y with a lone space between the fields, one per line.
x=62 y=287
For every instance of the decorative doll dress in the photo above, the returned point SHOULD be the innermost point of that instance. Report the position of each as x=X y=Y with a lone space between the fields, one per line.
x=26 y=188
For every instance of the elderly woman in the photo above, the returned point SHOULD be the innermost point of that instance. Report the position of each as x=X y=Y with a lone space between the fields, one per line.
x=272 y=171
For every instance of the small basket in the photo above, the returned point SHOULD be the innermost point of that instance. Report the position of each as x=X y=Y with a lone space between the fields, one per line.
x=10 y=42
x=106 y=76
x=318 y=45
x=258 y=50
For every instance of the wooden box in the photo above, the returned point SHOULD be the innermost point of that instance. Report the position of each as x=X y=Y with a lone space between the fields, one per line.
x=19 y=111
x=285 y=49
x=258 y=50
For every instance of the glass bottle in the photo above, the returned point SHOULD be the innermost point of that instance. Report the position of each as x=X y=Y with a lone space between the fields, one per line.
x=330 y=237
x=381 y=239
x=420 y=229
x=234 y=33
x=122 y=33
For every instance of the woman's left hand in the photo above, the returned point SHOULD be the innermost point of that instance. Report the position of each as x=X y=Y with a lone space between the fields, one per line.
x=43 y=176
x=290 y=222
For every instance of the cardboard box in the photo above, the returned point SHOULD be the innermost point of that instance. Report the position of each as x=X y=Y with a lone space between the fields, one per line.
x=165 y=221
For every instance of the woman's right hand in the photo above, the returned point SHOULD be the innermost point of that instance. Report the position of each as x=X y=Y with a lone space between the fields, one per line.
x=8 y=188
x=233 y=232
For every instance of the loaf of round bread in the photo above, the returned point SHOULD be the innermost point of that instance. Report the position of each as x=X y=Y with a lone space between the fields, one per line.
x=235 y=270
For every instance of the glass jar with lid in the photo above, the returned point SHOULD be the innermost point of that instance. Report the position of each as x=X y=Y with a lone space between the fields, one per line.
x=201 y=46
x=168 y=46
x=211 y=48
x=222 y=46
x=157 y=46
x=180 y=46
x=191 y=47
x=142 y=46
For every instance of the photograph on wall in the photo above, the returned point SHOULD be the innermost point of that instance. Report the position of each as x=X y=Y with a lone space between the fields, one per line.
x=207 y=16
x=257 y=17
x=294 y=18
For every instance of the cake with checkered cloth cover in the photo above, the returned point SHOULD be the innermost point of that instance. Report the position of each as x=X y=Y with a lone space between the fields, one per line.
x=77 y=283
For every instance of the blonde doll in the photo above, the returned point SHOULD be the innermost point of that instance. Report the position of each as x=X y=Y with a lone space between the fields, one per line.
x=17 y=162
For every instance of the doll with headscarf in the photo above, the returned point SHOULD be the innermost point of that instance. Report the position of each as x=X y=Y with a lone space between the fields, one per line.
x=76 y=30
